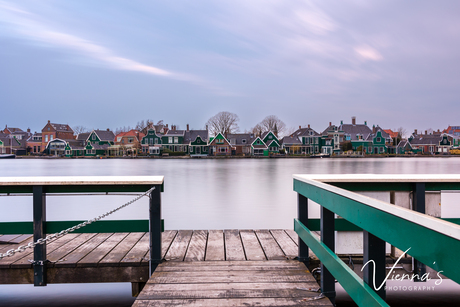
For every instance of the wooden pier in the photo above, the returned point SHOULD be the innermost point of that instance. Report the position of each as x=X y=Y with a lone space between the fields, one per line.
x=209 y=268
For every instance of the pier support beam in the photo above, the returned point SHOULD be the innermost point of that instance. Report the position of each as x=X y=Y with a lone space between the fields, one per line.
x=155 y=229
x=327 y=237
x=39 y=208
x=419 y=206
x=374 y=261
x=302 y=215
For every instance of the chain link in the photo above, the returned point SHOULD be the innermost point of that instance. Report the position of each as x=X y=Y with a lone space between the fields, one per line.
x=62 y=233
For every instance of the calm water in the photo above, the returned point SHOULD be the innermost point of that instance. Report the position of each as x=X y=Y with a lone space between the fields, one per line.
x=199 y=194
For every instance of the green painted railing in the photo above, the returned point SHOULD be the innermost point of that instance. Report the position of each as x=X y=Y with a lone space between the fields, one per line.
x=432 y=241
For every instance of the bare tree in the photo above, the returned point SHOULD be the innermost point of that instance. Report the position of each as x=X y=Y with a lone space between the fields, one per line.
x=223 y=122
x=256 y=130
x=401 y=132
x=80 y=129
x=274 y=124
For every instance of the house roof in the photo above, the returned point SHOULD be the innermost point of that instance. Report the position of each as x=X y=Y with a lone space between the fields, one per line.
x=175 y=133
x=12 y=130
x=424 y=139
x=304 y=132
x=132 y=132
x=191 y=135
x=236 y=139
x=391 y=133
x=354 y=130
x=83 y=136
x=62 y=127
x=288 y=140
x=105 y=135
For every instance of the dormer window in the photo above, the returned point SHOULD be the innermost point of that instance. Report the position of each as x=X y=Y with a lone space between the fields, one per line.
x=270 y=137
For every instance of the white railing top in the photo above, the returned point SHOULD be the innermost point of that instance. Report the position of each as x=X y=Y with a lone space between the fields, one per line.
x=380 y=178
x=82 y=180
x=421 y=219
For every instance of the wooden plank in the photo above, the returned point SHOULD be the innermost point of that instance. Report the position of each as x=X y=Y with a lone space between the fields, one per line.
x=289 y=248
x=167 y=238
x=138 y=253
x=21 y=260
x=233 y=246
x=251 y=245
x=208 y=276
x=5 y=239
x=197 y=247
x=269 y=302
x=226 y=268
x=69 y=247
x=293 y=235
x=269 y=245
x=215 y=249
x=84 y=249
x=179 y=246
x=308 y=285
x=224 y=293
x=93 y=258
x=21 y=239
x=120 y=251
x=234 y=263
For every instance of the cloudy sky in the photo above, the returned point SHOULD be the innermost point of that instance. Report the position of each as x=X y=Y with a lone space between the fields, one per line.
x=108 y=63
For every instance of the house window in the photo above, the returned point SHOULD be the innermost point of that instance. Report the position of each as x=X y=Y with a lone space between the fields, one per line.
x=90 y=151
x=270 y=137
x=151 y=141
x=191 y=149
x=130 y=140
x=223 y=149
x=46 y=138
x=243 y=141
x=93 y=137
x=170 y=140
x=378 y=140
x=51 y=137
x=176 y=140
x=67 y=152
x=156 y=141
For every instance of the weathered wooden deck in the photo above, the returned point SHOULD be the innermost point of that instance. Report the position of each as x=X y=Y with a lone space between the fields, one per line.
x=210 y=268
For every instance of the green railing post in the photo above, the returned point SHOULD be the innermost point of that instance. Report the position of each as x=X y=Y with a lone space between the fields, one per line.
x=374 y=263
x=302 y=214
x=155 y=229
x=327 y=237
x=39 y=213
x=419 y=206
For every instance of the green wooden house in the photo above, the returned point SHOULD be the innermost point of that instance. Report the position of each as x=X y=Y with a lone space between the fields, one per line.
x=152 y=143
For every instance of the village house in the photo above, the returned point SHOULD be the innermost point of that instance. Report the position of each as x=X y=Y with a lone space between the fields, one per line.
x=220 y=146
x=430 y=143
x=53 y=131
x=34 y=143
x=127 y=143
x=302 y=141
x=241 y=143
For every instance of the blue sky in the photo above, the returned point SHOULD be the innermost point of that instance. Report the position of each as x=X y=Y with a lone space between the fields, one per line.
x=107 y=63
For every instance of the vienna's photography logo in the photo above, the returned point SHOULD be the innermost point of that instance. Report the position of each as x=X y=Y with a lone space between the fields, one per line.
x=393 y=276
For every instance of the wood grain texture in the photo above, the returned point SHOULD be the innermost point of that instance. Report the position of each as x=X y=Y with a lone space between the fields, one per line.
x=179 y=246
x=233 y=246
x=271 y=248
x=96 y=255
x=251 y=245
x=215 y=250
x=232 y=283
x=121 y=250
x=197 y=248
x=287 y=245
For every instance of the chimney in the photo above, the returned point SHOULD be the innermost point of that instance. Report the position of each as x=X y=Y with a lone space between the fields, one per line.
x=206 y=127
x=415 y=131
x=188 y=128
x=300 y=127
x=365 y=122
x=108 y=129
x=353 y=120
x=48 y=121
x=341 y=122
x=166 y=125
x=28 y=130
x=308 y=126
x=373 y=129
x=330 y=124
x=426 y=132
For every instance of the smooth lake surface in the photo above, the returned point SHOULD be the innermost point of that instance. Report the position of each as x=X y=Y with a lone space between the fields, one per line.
x=199 y=194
